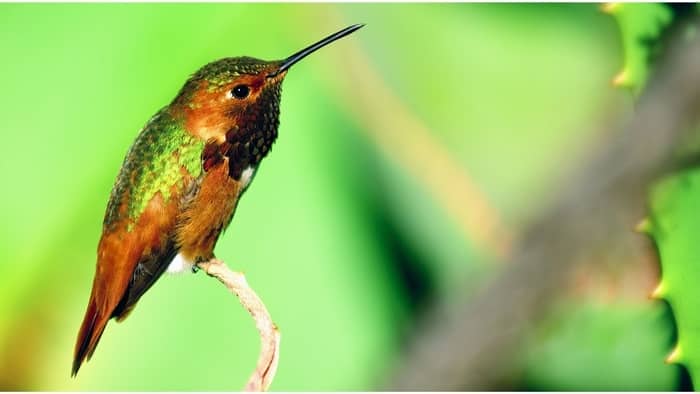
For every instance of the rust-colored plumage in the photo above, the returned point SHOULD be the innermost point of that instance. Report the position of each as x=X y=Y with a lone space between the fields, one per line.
x=181 y=181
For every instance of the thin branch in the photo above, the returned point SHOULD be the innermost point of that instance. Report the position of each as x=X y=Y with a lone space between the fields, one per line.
x=264 y=373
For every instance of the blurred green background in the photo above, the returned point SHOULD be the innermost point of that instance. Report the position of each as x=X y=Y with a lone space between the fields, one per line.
x=410 y=155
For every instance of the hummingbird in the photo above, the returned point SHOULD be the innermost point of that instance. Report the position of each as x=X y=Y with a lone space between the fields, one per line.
x=181 y=180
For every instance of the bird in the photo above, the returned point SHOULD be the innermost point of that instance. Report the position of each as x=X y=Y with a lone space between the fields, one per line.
x=181 y=180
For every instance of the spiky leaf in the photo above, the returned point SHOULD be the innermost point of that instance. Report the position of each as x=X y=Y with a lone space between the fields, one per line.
x=674 y=224
x=641 y=25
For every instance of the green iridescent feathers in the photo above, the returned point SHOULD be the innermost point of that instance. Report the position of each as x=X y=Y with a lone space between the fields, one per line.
x=222 y=71
x=154 y=165
x=230 y=67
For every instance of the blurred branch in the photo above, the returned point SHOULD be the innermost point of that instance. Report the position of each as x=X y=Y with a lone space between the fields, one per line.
x=408 y=141
x=265 y=370
x=473 y=344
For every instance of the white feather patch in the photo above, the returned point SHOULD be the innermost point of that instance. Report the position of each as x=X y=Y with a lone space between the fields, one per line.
x=179 y=265
x=246 y=176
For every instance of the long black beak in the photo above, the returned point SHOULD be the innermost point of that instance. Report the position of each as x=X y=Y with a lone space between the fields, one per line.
x=290 y=61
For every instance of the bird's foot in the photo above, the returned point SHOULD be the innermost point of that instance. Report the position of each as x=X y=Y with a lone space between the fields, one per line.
x=205 y=265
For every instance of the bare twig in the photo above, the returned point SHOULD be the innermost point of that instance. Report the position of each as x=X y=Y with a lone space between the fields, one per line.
x=264 y=373
x=473 y=344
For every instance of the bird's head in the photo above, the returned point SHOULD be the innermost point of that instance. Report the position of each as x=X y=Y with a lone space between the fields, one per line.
x=235 y=97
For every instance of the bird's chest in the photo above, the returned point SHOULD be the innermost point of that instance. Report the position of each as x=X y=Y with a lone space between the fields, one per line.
x=207 y=214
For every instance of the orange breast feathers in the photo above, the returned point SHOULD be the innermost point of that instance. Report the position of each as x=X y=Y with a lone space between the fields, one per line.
x=208 y=214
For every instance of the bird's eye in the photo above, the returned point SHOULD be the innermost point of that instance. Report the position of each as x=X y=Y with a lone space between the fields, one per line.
x=240 y=91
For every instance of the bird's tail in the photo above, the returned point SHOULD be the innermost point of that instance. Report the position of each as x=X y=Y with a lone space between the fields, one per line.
x=89 y=335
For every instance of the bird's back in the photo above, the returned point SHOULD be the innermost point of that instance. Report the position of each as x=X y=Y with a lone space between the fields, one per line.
x=138 y=236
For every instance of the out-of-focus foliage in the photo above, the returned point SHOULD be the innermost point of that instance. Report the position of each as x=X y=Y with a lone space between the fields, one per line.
x=645 y=29
x=611 y=354
x=343 y=243
x=640 y=24
x=674 y=224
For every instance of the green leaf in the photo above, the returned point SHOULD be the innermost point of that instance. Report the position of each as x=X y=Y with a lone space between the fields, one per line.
x=640 y=25
x=674 y=224
x=619 y=342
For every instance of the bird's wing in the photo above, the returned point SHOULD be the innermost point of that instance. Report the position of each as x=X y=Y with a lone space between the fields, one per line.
x=138 y=238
